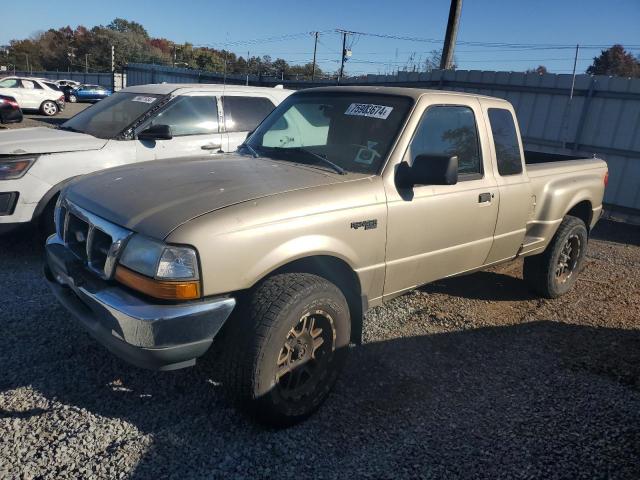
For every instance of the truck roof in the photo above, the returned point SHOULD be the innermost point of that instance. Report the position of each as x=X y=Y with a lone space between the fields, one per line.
x=167 y=88
x=414 y=93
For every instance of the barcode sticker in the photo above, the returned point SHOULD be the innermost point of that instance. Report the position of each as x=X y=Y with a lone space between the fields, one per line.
x=369 y=110
x=143 y=99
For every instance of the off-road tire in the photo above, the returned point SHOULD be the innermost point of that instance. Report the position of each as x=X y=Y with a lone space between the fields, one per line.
x=49 y=108
x=541 y=271
x=254 y=342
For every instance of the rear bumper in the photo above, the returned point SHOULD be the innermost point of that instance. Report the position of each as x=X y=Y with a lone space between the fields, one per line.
x=147 y=334
x=10 y=116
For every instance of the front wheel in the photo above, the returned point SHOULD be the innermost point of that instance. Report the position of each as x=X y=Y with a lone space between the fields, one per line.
x=73 y=99
x=286 y=348
x=553 y=272
x=49 y=108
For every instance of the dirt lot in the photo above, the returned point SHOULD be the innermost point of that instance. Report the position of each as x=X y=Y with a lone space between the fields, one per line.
x=32 y=119
x=467 y=378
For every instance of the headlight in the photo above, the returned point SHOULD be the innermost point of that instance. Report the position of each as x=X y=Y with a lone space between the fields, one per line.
x=15 y=167
x=158 y=260
x=167 y=271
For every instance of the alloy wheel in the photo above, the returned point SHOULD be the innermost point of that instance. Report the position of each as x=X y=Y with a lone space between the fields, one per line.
x=304 y=357
x=568 y=258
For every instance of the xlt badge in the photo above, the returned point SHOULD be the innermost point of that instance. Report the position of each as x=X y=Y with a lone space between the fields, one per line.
x=367 y=224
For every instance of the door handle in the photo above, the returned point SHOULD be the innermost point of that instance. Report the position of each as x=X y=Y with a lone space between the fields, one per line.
x=211 y=146
x=485 y=197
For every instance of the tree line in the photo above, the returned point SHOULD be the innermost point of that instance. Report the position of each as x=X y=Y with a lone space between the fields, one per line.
x=82 y=48
x=68 y=49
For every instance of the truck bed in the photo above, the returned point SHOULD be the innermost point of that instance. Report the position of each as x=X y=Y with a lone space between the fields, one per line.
x=532 y=157
x=558 y=181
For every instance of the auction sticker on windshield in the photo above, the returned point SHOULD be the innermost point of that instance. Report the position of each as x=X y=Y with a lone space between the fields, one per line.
x=369 y=110
x=143 y=99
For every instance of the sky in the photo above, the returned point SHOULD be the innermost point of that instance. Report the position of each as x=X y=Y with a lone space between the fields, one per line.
x=536 y=31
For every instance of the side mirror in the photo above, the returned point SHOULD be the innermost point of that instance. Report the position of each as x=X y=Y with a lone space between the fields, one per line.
x=156 y=132
x=428 y=170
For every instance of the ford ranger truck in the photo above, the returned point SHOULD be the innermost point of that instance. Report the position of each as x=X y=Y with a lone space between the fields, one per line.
x=342 y=199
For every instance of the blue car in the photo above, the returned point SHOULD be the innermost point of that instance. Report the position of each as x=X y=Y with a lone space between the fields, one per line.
x=88 y=93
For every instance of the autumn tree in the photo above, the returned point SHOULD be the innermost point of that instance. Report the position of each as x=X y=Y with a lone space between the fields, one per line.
x=615 y=61
x=540 y=70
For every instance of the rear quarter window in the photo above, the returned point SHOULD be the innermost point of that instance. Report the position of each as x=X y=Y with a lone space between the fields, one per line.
x=505 y=139
x=243 y=114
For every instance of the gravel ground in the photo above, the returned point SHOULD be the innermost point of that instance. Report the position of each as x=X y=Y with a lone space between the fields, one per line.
x=466 y=378
x=33 y=119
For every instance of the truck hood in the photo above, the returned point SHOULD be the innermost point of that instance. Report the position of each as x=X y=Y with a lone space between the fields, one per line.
x=46 y=140
x=154 y=198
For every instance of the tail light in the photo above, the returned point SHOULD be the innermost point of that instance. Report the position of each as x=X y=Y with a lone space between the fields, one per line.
x=61 y=99
x=9 y=101
x=606 y=179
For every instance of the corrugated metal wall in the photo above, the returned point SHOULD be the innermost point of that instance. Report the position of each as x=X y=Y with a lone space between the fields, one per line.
x=603 y=118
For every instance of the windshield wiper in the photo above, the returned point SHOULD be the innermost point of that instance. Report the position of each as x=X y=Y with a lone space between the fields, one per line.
x=254 y=154
x=323 y=159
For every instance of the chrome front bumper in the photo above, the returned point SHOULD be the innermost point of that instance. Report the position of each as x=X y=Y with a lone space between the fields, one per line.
x=158 y=336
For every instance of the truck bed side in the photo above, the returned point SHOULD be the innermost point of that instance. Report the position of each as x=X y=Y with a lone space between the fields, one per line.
x=573 y=186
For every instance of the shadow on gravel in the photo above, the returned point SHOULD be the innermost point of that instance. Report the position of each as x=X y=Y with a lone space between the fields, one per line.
x=543 y=399
x=610 y=231
x=491 y=286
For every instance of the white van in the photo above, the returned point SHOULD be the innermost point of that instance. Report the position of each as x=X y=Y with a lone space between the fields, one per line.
x=136 y=124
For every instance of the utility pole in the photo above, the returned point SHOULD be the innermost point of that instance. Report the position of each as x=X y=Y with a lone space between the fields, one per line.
x=344 y=52
x=248 y=53
x=450 y=37
x=86 y=63
x=174 y=55
x=315 y=48
x=113 y=71
x=567 y=111
x=573 y=79
x=27 y=55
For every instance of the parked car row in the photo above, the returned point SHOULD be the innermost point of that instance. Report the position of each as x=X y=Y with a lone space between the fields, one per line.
x=31 y=93
x=269 y=232
x=48 y=96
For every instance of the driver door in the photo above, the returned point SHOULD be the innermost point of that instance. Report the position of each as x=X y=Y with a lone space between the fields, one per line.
x=435 y=231
x=195 y=125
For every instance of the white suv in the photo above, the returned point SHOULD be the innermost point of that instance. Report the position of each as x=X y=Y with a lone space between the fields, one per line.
x=136 y=124
x=34 y=94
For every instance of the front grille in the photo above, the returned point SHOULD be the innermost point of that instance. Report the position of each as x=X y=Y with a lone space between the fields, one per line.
x=94 y=240
x=76 y=236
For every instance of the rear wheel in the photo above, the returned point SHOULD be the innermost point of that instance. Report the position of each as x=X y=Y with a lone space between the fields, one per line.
x=555 y=271
x=284 y=351
x=49 y=108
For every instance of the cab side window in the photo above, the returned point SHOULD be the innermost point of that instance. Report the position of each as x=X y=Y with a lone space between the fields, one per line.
x=190 y=116
x=450 y=131
x=505 y=139
x=243 y=114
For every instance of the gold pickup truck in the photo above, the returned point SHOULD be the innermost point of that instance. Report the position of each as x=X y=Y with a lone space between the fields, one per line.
x=342 y=199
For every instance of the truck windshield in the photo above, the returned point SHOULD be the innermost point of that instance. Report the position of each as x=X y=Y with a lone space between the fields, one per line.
x=354 y=132
x=110 y=116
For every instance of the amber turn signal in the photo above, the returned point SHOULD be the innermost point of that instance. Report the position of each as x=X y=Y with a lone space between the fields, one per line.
x=162 y=289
